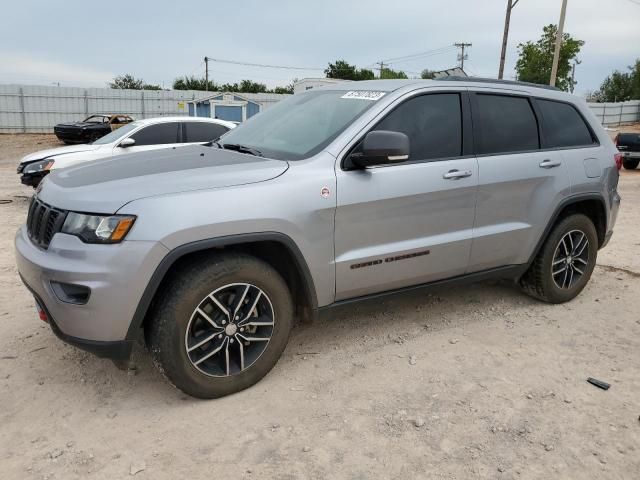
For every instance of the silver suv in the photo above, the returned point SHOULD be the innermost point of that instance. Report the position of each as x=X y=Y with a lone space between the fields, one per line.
x=333 y=195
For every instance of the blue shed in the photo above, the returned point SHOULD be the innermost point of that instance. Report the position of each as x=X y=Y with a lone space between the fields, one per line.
x=225 y=106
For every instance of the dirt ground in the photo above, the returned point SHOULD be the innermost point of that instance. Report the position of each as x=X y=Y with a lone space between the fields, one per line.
x=468 y=382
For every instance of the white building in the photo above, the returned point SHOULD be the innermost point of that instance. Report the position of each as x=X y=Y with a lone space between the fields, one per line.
x=309 y=83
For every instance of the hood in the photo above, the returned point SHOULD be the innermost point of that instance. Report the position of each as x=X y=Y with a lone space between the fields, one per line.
x=58 y=151
x=104 y=186
x=81 y=124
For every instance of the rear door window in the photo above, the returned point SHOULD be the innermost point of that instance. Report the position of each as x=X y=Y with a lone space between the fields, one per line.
x=506 y=124
x=563 y=125
x=203 y=131
x=433 y=124
x=160 y=134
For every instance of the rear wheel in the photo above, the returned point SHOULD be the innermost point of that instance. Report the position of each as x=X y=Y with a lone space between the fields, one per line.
x=630 y=164
x=221 y=326
x=565 y=263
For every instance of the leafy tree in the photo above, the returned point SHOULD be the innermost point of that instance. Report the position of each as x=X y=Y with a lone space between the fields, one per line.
x=389 y=73
x=248 y=86
x=635 y=80
x=428 y=74
x=286 y=89
x=345 y=71
x=535 y=59
x=129 y=82
x=620 y=86
x=245 y=86
x=194 y=83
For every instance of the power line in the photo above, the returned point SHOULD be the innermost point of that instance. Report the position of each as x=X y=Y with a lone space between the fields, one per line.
x=263 y=65
x=635 y=2
x=415 y=56
x=462 y=56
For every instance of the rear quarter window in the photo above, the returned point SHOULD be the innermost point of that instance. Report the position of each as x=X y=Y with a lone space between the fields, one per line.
x=563 y=125
x=506 y=124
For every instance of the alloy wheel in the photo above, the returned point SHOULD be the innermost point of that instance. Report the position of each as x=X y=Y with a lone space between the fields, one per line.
x=229 y=330
x=570 y=259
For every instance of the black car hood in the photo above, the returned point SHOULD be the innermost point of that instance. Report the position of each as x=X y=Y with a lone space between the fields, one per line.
x=82 y=125
x=104 y=186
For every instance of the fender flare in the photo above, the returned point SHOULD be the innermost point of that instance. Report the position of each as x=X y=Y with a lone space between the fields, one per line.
x=226 y=241
x=566 y=202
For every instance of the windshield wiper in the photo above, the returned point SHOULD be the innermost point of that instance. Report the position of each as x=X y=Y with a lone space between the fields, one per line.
x=241 y=148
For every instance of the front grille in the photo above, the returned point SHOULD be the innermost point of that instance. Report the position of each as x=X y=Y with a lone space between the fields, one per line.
x=43 y=222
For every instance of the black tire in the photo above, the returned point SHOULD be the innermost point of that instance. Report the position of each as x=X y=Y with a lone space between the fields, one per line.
x=94 y=136
x=630 y=164
x=539 y=280
x=185 y=291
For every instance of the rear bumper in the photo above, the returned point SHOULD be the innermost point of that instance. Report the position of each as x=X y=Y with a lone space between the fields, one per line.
x=633 y=155
x=114 y=275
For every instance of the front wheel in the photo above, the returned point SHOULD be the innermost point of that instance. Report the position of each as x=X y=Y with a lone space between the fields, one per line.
x=565 y=263
x=221 y=325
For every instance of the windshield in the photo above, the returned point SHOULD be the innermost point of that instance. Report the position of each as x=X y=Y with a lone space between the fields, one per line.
x=116 y=135
x=301 y=125
x=96 y=119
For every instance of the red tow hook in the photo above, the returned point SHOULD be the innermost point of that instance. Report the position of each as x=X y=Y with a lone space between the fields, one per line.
x=42 y=314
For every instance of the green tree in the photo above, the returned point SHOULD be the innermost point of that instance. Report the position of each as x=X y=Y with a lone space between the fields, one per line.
x=249 y=86
x=194 y=83
x=387 y=73
x=345 y=71
x=535 y=59
x=128 y=81
x=620 y=86
x=286 y=89
x=428 y=74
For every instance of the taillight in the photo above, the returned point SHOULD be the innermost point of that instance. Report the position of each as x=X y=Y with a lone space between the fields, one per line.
x=618 y=158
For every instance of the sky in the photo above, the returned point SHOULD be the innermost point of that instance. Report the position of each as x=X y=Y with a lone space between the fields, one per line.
x=86 y=44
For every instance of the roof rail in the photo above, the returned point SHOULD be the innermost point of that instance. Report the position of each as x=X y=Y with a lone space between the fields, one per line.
x=456 y=78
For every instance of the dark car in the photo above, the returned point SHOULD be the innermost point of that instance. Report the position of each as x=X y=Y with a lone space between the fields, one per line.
x=628 y=145
x=90 y=129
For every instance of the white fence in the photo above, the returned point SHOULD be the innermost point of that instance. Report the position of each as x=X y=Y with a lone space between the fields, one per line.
x=36 y=109
x=617 y=113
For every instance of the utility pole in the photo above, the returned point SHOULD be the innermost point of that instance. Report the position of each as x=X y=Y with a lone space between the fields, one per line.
x=505 y=36
x=381 y=68
x=206 y=74
x=556 y=53
x=573 y=77
x=462 y=57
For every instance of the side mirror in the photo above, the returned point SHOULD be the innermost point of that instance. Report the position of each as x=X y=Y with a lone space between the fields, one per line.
x=127 y=142
x=381 y=147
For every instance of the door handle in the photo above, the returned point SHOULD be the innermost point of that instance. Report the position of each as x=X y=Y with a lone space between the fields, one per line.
x=550 y=163
x=456 y=174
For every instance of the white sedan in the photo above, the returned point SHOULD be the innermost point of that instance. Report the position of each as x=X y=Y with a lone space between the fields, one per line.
x=138 y=136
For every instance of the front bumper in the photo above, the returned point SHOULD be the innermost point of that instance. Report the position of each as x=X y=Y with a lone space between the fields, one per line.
x=33 y=179
x=116 y=276
x=73 y=135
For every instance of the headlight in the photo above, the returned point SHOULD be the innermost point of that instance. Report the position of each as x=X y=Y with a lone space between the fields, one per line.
x=98 y=228
x=39 y=166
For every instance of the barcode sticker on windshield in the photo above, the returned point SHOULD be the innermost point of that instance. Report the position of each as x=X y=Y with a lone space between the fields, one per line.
x=364 y=95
